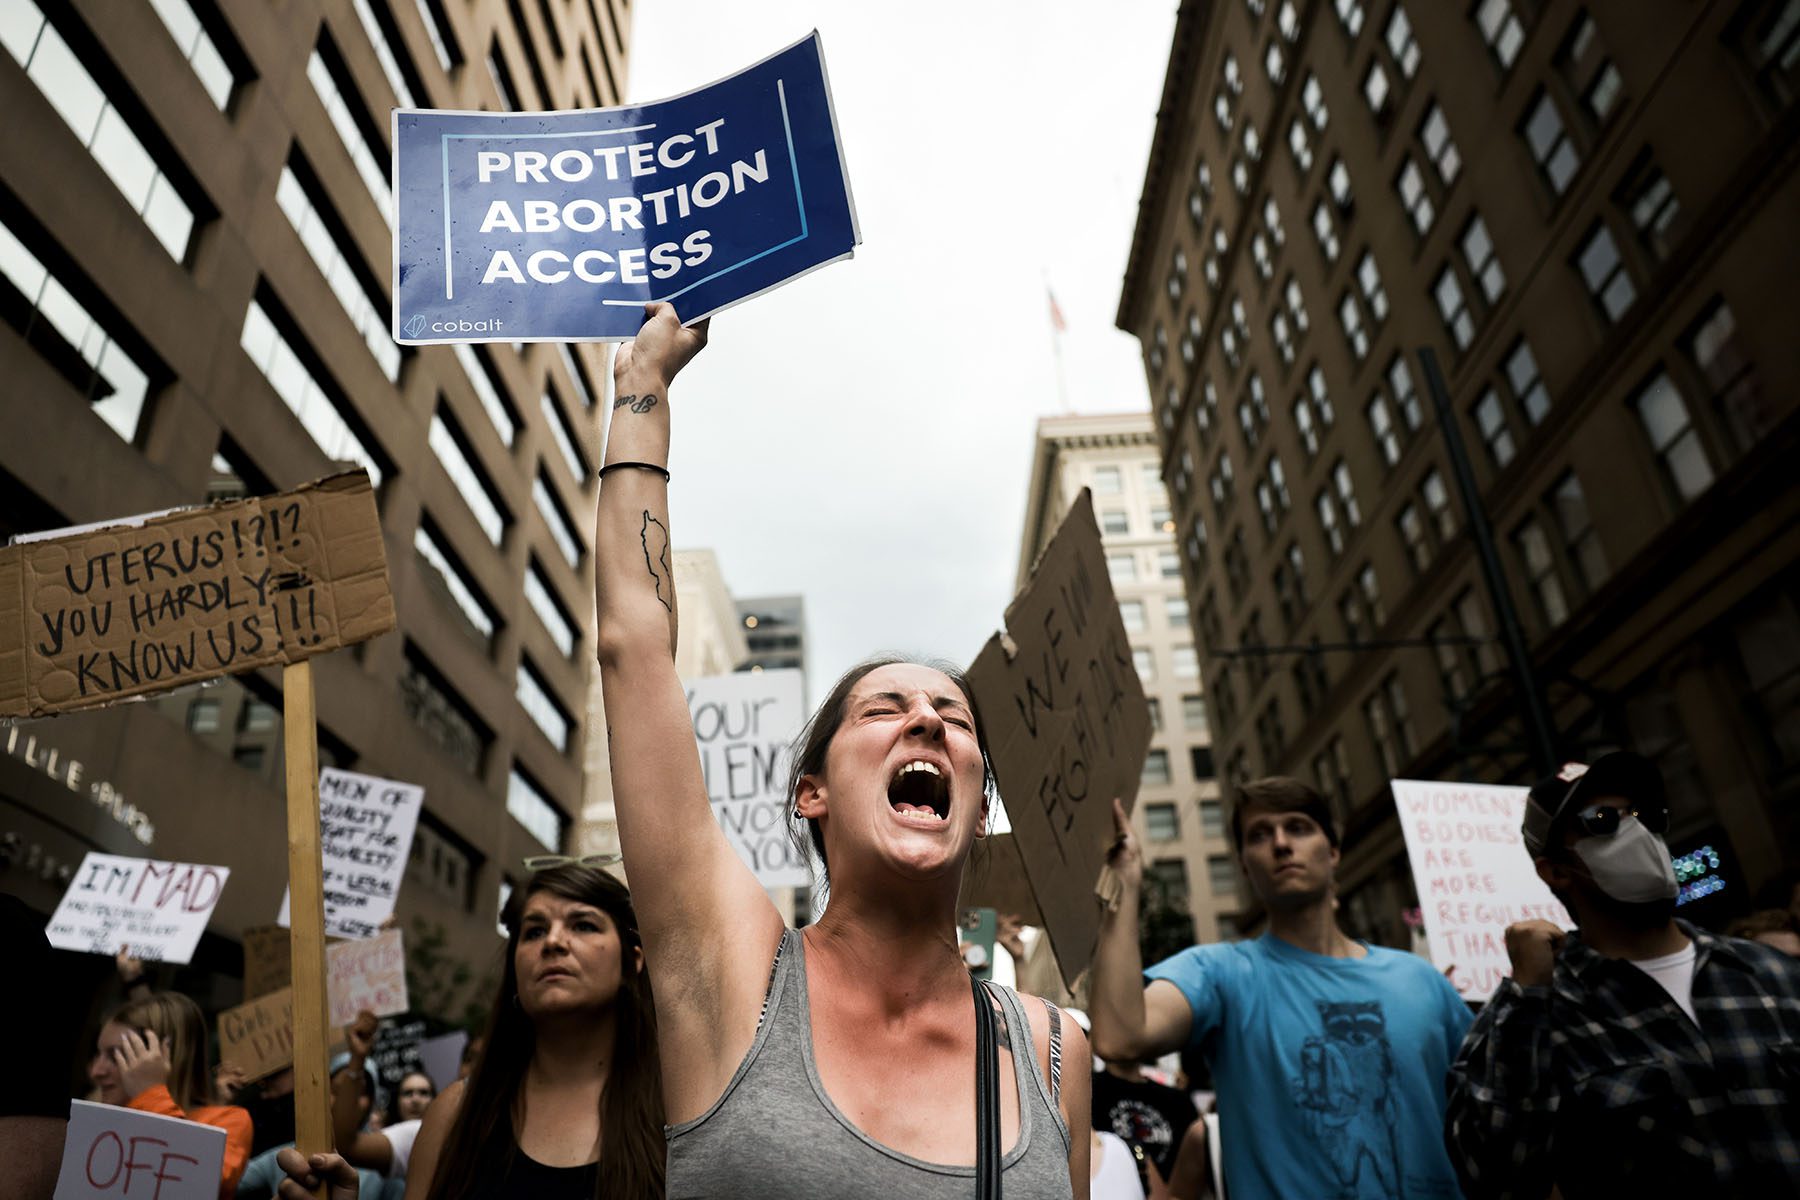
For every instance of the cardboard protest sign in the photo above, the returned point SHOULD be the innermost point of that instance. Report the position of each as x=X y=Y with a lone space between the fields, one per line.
x=366 y=830
x=133 y=608
x=258 y=1037
x=560 y=226
x=996 y=879
x=441 y=1057
x=1474 y=876
x=1067 y=726
x=116 y=1153
x=743 y=724
x=157 y=910
x=367 y=974
x=268 y=964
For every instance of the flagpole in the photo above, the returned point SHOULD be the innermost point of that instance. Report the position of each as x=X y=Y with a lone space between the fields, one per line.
x=1056 y=332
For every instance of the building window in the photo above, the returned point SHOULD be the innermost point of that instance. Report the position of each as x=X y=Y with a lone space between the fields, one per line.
x=316 y=408
x=1271 y=737
x=1166 y=879
x=1496 y=434
x=1383 y=429
x=1296 y=304
x=368 y=152
x=1390 y=726
x=1175 y=611
x=1569 y=503
x=1673 y=438
x=1768 y=38
x=1479 y=256
x=1401 y=43
x=1221 y=875
x=1549 y=143
x=1287 y=20
x=1356 y=336
x=1329 y=524
x=447 y=444
x=1325 y=229
x=1160 y=823
x=1156 y=768
x=476 y=368
x=1107 y=481
x=1131 y=612
x=1413 y=537
x=528 y=805
x=1193 y=713
x=1501 y=30
x=1168 y=564
x=443 y=40
x=1312 y=100
x=562 y=530
x=395 y=65
x=1591 y=74
x=1649 y=199
x=1540 y=571
x=1453 y=308
x=1271 y=215
x=1414 y=197
x=1115 y=521
x=1604 y=273
x=1154 y=707
x=1121 y=568
x=203 y=716
x=1437 y=503
x=462 y=590
x=1159 y=350
x=1331 y=770
x=543 y=602
x=1145 y=664
x=1726 y=371
x=360 y=299
x=1451 y=671
x=1377 y=91
x=197 y=46
x=1434 y=135
x=1185 y=663
x=1368 y=588
x=71 y=340
x=98 y=124
x=1350 y=16
x=544 y=712
x=1527 y=385
x=1346 y=492
x=562 y=435
x=502 y=78
x=1374 y=296
x=1178 y=273
x=441 y=714
x=1274 y=63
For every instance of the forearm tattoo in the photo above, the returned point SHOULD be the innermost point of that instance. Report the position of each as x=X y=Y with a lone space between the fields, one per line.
x=638 y=404
x=656 y=559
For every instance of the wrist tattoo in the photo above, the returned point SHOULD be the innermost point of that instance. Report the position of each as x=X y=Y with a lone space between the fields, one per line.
x=656 y=559
x=638 y=404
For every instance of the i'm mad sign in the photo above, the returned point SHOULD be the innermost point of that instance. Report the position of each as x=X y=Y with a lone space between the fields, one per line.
x=561 y=226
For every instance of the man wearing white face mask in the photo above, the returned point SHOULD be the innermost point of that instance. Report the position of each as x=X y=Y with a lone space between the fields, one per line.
x=1638 y=1054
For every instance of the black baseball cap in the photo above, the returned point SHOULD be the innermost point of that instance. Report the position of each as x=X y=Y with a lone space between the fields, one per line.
x=1620 y=773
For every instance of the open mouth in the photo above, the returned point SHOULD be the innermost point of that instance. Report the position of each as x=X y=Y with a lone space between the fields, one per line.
x=920 y=791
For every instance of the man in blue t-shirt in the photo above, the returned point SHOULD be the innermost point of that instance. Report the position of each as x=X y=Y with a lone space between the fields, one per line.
x=1329 y=1055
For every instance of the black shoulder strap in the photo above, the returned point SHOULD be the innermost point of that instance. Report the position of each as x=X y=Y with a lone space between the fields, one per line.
x=987 y=1097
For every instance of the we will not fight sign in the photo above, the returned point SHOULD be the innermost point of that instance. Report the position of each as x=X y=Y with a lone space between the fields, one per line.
x=560 y=226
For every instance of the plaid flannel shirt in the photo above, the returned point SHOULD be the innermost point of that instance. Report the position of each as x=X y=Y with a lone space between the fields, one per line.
x=1600 y=1084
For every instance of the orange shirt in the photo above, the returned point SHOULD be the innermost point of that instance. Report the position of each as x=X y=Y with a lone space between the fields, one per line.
x=233 y=1120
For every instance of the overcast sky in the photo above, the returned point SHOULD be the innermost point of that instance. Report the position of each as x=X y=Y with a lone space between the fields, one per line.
x=863 y=436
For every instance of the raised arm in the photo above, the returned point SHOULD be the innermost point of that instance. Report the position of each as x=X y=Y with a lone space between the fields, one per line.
x=709 y=929
x=1132 y=1023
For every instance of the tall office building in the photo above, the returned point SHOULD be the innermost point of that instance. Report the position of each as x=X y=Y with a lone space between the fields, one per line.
x=196 y=260
x=1586 y=214
x=1179 y=819
x=775 y=629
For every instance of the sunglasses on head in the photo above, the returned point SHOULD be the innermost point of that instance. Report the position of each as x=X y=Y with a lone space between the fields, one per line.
x=543 y=862
x=1602 y=820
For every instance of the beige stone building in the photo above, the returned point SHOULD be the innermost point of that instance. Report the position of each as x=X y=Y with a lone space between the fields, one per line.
x=1178 y=816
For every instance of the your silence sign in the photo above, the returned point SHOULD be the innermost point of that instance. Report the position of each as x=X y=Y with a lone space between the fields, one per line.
x=1068 y=727
x=743 y=724
x=560 y=226
x=151 y=603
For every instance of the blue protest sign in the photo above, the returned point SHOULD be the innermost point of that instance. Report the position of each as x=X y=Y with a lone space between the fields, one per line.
x=525 y=227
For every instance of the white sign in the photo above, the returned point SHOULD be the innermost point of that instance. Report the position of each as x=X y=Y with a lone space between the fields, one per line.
x=123 y=1154
x=367 y=974
x=1474 y=876
x=744 y=724
x=155 y=910
x=366 y=831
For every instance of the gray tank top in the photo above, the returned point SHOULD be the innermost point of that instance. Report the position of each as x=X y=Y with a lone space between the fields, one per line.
x=775 y=1133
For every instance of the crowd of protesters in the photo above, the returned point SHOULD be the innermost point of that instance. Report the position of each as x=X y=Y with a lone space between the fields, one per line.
x=679 y=1040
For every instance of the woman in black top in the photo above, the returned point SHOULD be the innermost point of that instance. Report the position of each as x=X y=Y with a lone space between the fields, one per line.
x=565 y=1102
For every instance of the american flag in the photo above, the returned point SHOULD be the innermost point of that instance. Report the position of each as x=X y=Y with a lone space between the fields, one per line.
x=1056 y=315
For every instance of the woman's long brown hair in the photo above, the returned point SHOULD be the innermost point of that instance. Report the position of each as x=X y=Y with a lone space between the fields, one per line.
x=632 y=1153
x=177 y=1020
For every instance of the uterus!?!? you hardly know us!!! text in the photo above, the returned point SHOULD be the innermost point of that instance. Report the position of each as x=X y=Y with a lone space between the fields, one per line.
x=560 y=226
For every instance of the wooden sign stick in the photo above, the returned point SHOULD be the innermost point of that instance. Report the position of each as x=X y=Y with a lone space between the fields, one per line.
x=306 y=914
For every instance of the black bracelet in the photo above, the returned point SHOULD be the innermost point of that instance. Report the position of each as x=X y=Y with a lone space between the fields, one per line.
x=642 y=466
